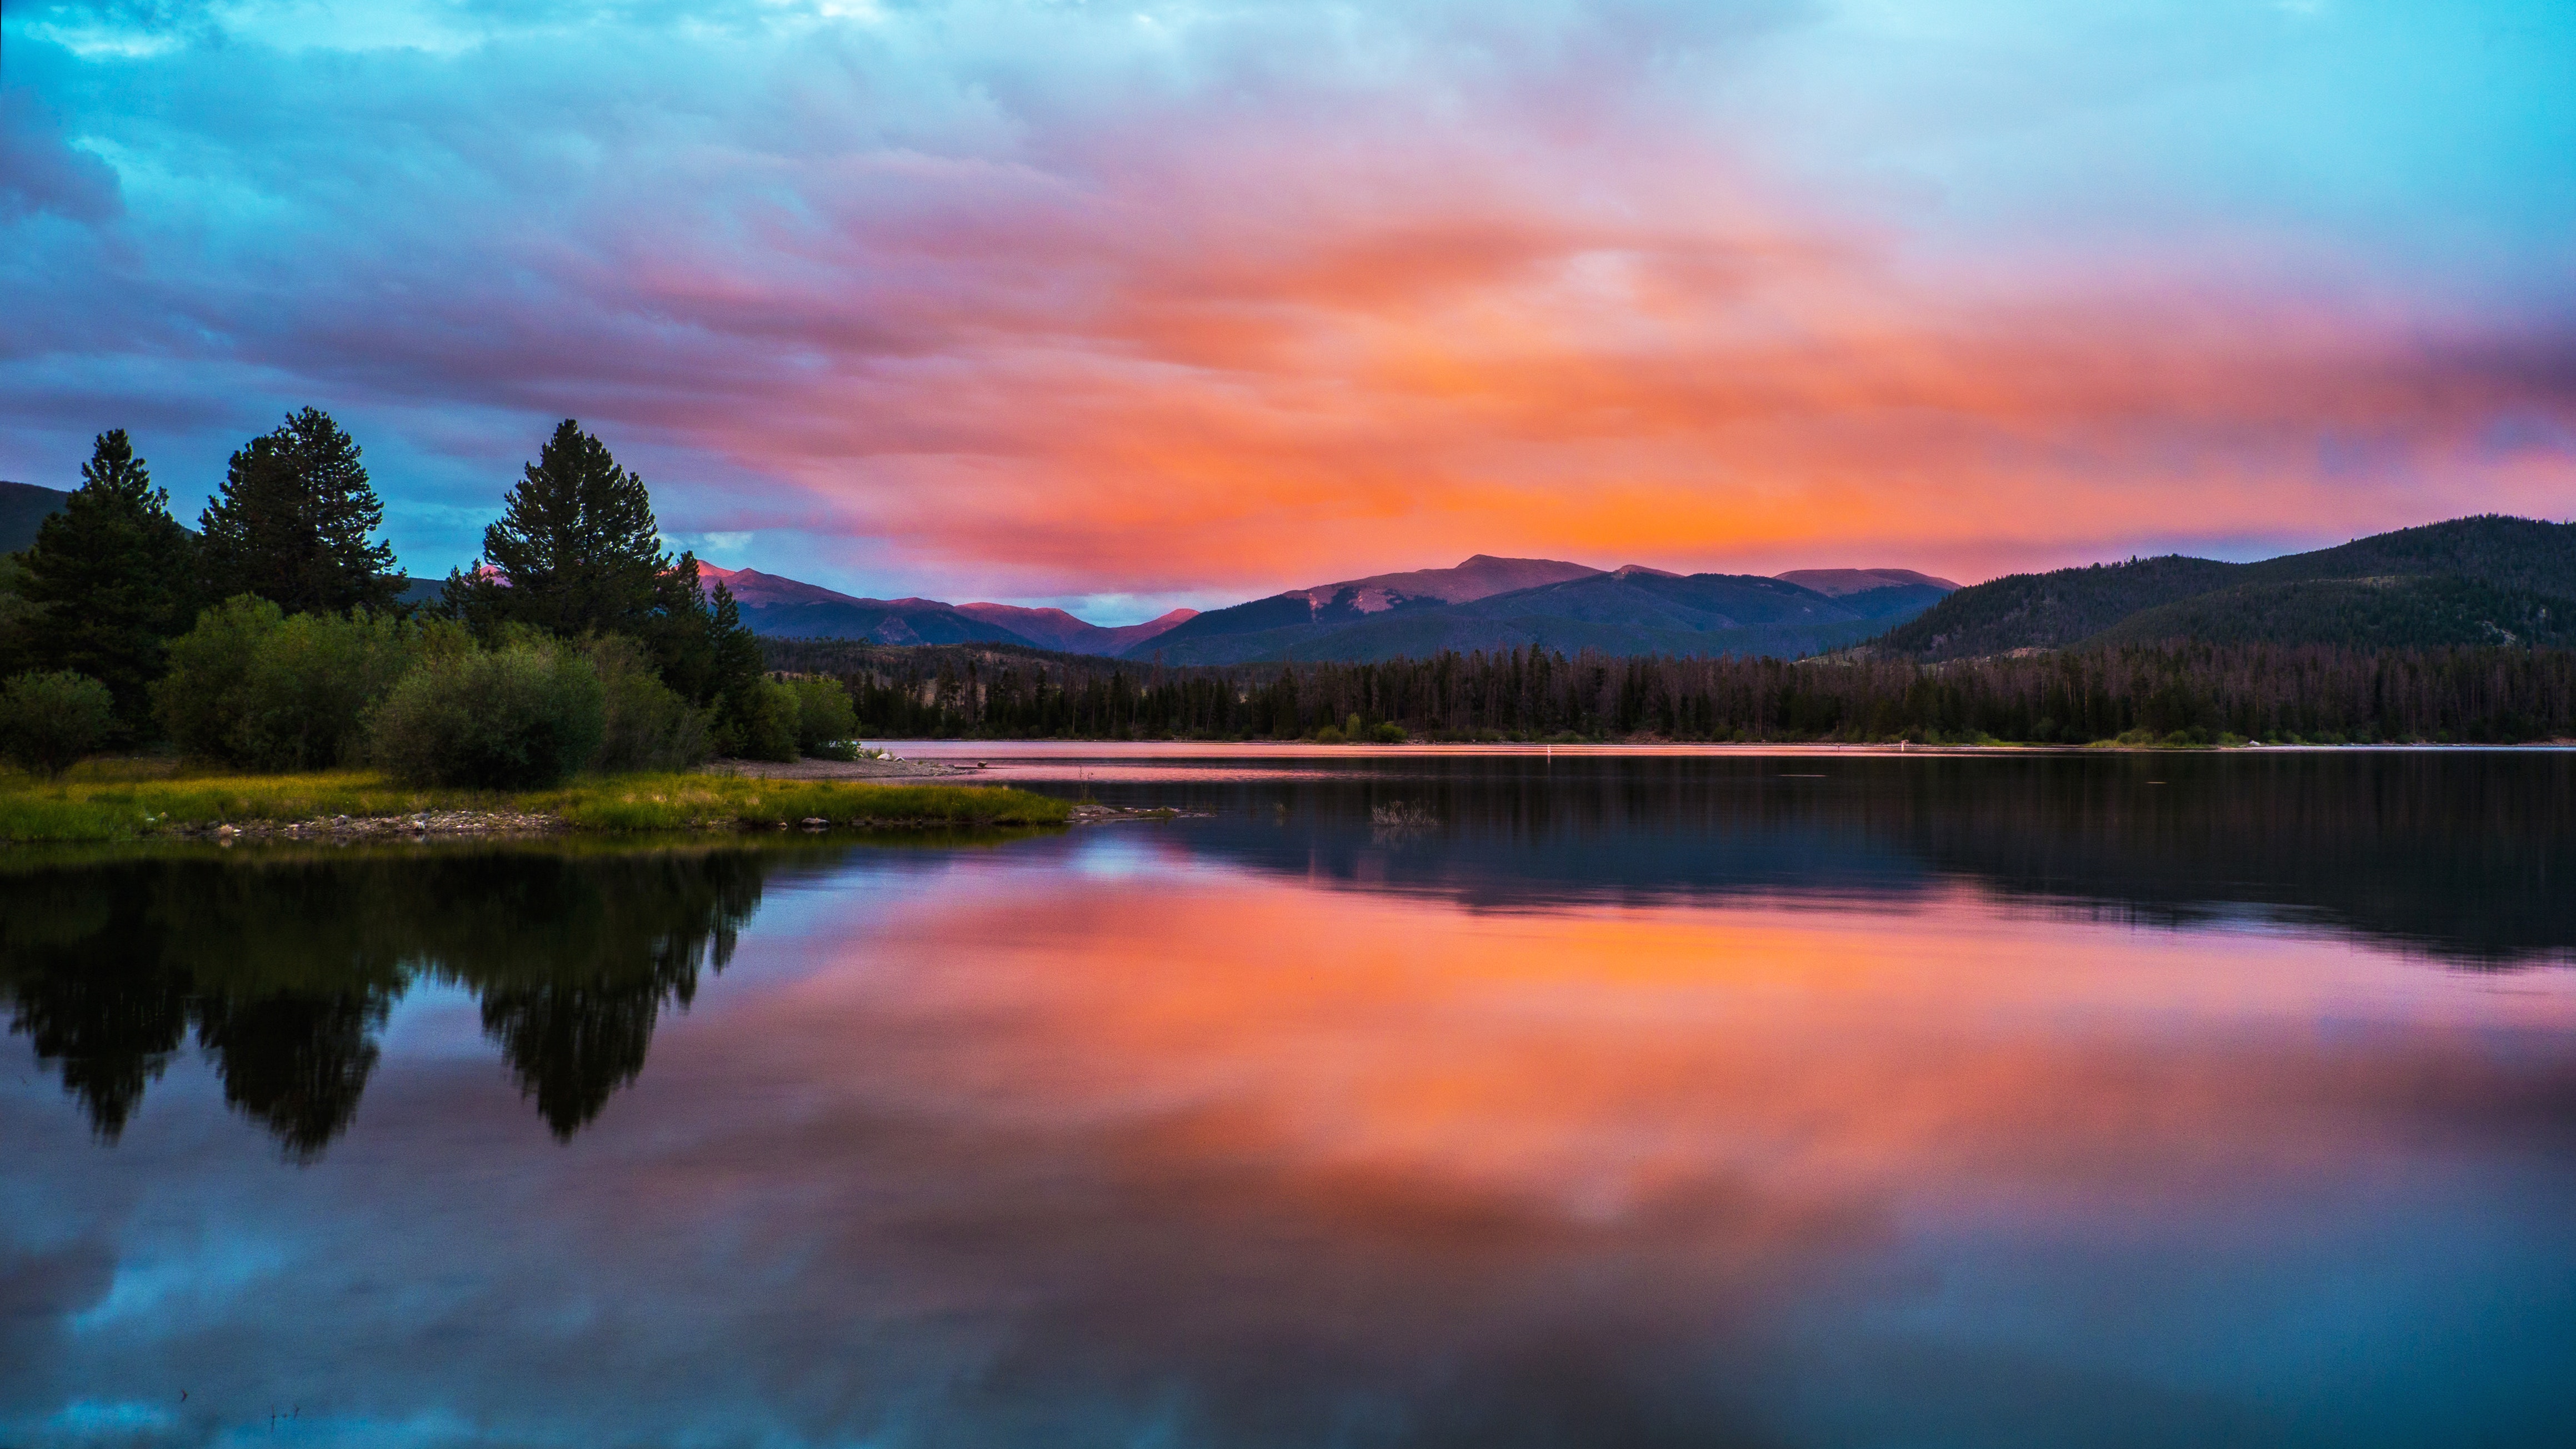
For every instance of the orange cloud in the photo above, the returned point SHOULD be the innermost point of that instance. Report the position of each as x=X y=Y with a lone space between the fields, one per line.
x=1218 y=387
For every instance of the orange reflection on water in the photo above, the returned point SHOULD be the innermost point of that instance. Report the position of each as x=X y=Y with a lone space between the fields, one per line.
x=1600 y=1065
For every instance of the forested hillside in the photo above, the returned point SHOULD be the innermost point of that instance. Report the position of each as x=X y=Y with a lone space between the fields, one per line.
x=2470 y=581
x=2365 y=613
x=2193 y=693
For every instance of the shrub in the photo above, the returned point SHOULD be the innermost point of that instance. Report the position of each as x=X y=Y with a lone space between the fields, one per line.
x=251 y=685
x=646 y=725
x=765 y=720
x=49 y=721
x=1389 y=733
x=520 y=717
x=825 y=718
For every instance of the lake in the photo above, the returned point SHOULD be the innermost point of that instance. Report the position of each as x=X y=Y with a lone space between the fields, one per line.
x=1382 y=1098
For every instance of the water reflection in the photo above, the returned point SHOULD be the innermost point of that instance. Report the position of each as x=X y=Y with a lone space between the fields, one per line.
x=2469 y=856
x=1707 y=1107
x=285 y=967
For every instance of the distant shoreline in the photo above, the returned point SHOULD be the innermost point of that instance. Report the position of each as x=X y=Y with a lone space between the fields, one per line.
x=950 y=752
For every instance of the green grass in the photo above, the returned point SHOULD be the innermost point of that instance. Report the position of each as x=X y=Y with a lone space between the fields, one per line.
x=699 y=802
x=112 y=800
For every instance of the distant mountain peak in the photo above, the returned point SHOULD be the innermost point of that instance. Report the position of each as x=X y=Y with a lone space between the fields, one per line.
x=1841 y=583
x=1057 y=629
x=1630 y=571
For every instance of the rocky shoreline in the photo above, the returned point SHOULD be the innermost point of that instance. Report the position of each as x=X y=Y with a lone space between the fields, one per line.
x=424 y=825
x=497 y=824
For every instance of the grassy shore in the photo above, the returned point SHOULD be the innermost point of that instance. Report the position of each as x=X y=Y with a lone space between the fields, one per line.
x=135 y=800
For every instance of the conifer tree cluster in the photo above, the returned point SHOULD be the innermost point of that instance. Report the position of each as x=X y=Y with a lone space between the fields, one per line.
x=113 y=575
x=283 y=612
x=113 y=578
x=294 y=521
x=577 y=553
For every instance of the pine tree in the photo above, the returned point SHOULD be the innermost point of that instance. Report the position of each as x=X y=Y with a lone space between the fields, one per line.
x=293 y=521
x=576 y=551
x=112 y=572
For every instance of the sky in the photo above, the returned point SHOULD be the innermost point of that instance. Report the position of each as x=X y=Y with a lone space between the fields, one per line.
x=1127 y=306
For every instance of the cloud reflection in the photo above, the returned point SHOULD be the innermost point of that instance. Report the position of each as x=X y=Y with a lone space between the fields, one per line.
x=1024 y=1154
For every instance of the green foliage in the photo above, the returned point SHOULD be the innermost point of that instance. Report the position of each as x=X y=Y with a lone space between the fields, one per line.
x=825 y=719
x=576 y=551
x=18 y=614
x=96 y=803
x=252 y=686
x=112 y=576
x=291 y=524
x=763 y=721
x=520 y=717
x=1389 y=733
x=2069 y=696
x=647 y=725
x=696 y=802
x=48 y=722
x=733 y=666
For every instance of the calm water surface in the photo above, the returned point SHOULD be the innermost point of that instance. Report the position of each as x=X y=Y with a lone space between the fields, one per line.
x=1593 y=1100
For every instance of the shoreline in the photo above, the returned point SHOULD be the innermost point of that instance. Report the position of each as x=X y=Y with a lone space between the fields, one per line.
x=134 y=800
x=946 y=750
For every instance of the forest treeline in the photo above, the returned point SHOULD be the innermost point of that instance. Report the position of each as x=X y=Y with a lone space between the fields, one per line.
x=2189 y=693
x=273 y=637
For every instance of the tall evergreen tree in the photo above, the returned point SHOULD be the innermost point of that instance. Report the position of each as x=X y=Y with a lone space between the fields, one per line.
x=576 y=551
x=293 y=521
x=112 y=573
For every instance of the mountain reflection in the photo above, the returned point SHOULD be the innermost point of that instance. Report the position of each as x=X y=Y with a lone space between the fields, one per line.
x=2448 y=854
x=287 y=968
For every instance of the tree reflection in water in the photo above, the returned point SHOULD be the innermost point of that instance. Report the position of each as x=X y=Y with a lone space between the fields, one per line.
x=286 y=969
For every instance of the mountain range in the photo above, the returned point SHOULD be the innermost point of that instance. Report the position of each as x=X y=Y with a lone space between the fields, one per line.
x=789 y=609
x=1484 y=603
x=1494 y=603
x=2483 y=580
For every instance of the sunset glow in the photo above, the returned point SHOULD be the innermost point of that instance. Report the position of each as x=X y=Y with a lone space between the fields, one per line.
x=1189 y=303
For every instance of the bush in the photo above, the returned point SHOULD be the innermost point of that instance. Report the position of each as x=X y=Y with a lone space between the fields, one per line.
x=251 y=685
x=646 y=725
x=520 y=717
x=49 y=721
x=765 y=720
x=1389 y=733
x=825 y=718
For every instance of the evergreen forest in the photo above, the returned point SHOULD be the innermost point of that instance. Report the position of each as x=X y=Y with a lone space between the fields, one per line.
x=2167 y=693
